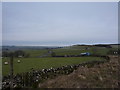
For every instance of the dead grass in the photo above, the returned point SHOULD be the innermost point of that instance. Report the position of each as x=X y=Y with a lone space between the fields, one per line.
x=100 y=76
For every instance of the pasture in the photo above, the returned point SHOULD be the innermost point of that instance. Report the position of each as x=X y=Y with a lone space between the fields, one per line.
x=35 y=60
x=47 y=62
x=71 y=50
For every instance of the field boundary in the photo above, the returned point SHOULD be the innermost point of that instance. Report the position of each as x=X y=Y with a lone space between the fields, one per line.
x=31 y=79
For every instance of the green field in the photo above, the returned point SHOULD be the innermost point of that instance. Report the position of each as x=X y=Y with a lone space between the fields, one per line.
x=47 y=61
x=40 y=63
x=74 y=50
x=36 y=53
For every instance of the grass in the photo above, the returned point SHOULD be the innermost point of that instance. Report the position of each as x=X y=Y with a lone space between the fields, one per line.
x=71 y=50
x=0 y=73
x=36 y=53
x=102 y=51
x=47 y=62
x=40 y=63
x=99 y=76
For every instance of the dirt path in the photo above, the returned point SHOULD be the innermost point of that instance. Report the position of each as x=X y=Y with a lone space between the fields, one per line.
x=100 y=76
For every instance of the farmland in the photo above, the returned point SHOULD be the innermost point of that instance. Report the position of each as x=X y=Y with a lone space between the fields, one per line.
x=40 y=63
x=73 y=50
x=52 y=62
x=37 y=62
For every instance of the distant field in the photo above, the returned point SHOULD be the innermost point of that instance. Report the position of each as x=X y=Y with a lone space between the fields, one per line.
x=40 y=63
x=74 y=50
x=36 y=53
x=46 y=62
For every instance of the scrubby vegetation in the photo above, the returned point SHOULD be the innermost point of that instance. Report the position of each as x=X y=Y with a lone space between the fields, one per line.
x=99 y=76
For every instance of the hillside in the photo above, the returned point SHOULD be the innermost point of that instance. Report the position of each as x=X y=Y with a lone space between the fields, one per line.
x=100 y=76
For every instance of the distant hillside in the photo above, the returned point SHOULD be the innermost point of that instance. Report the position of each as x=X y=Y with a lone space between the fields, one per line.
x=99 y=45
x=26 y=47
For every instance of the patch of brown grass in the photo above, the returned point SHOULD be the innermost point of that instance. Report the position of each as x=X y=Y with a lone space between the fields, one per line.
x=99 y=76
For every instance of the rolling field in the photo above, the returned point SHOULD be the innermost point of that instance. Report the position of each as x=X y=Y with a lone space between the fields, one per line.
x=76 y=50
x=38 y=59
x=36 y=53
x=73 y=50
x=47 y=62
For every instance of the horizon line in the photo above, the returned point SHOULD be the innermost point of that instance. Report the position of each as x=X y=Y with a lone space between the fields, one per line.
x=66 y=45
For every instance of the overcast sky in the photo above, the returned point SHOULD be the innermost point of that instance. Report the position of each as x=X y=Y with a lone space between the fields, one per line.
x=59 y=23
x=0 y=24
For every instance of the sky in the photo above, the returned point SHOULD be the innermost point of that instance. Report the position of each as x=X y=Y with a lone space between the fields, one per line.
x=59 y=23
x=0 y=24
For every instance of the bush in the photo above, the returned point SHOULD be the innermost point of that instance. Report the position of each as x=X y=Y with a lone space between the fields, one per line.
x=53 y=54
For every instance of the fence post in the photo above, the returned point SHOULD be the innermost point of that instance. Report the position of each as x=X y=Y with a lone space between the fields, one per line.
x=11 y=70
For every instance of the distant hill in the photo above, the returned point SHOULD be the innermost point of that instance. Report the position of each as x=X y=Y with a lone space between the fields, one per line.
x=100 y=45
x=13 y=48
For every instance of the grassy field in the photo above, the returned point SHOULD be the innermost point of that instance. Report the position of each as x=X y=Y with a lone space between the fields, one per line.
x=76 y=50
x=40 y=63
x=36 y=53
x=72 y=50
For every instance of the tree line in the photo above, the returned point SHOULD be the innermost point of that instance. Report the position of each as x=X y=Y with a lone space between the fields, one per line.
x=18 y=53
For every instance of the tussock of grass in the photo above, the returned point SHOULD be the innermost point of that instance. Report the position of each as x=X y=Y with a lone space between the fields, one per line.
x=100 y=76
